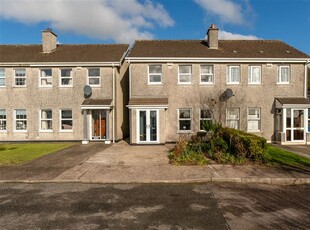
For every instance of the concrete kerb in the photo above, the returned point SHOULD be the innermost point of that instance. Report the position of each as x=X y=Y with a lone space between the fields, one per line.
x=242 y=180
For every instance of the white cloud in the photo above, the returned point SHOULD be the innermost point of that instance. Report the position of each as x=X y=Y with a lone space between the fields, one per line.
x=224 y=35
x=228 y=11
x=119 y=20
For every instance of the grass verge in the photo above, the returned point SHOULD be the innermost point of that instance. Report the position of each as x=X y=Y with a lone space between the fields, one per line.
x=279 y=157
x=14 y=154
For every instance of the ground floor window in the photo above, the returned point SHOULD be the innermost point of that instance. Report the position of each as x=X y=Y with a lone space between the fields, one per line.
x=20 y=119
x=2 y=119
x=205 y=116
x=232 y=118
x=46 y=117
x=66 y=121
x=185 y=119
x=254 y=120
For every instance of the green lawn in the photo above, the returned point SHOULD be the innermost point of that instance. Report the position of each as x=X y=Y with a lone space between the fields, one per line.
x=13 y=154
x=276 y=156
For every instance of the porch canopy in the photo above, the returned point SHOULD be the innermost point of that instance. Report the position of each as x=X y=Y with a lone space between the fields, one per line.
x=96 y=104
x=292 y=102
x=148 y=103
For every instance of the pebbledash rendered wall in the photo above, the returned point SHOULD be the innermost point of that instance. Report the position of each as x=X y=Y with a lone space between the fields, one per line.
x=197 y=96
x=33 y=98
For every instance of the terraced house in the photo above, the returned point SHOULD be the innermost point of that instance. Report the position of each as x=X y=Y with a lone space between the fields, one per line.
x=63 y=92
x=259 y=86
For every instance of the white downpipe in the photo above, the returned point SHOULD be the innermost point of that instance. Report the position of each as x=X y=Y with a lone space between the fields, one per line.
x=113 y=104
x=305 y=81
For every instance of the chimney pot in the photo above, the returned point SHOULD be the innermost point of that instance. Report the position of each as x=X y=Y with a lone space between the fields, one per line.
x=49 y=41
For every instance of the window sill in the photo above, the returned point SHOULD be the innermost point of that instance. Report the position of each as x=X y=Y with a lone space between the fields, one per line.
x=65 y=86
x=231 y=83
x=254 y=131
x=43 y=86
x=20 y=87
x=66 y=131
x=155 y=84
x=94 y=86
x=254 y=84
x=20 y=131
x=45 y=131
x=185 y=132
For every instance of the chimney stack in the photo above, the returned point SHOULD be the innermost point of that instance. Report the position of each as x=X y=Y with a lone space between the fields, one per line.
x=49 y=41
x=213 y=40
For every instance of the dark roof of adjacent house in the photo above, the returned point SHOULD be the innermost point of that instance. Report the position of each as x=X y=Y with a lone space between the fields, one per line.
x=293 y=100
x=226 y=49
x=63 y=53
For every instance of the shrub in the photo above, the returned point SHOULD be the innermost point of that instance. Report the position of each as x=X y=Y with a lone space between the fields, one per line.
x=223 y=145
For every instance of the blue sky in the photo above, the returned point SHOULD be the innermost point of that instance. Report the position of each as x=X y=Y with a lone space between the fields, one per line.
x=123 y=21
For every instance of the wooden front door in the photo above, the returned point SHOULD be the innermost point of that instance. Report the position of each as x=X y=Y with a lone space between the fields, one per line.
x=99 y=125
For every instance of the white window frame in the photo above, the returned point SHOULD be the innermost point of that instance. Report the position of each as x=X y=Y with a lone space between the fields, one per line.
x=3 y=120
x=20 y=78
x=250 y=78
x=185 y=119
x=46 y=78
x=93 y=77
x=229 y=77
x=231 y=119
x=2 y=77
x=207 y=74
x=45 y=119
x=308 y=119
x=204 y=119
x=66 y=77
x=279 y=80
x=155 y=74
x=254 y=119
x=65 y=119
x=185 y=74
x=20 y=120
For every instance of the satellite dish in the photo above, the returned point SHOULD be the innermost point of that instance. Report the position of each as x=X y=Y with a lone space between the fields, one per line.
x=229 y=93
x=87 y=91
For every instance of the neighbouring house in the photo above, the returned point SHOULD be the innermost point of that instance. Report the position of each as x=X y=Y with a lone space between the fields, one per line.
x=55 y=92
x=259 y=86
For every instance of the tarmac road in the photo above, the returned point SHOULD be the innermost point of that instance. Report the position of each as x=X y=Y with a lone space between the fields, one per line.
x=153 y=206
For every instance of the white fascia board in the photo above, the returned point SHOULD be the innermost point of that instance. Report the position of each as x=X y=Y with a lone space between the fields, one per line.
x=224 y=60
x=296 y=106
x=147 y=106
x=95 y=107
x=61 y=64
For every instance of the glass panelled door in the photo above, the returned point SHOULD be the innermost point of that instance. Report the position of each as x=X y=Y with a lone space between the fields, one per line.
x=295 y=125
x=98 y=125
x=147 y=125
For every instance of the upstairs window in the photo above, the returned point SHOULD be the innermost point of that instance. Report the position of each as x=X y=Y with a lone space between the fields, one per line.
x=94 y=77
x=66 y=77
x=20 y=77
x=206 y=74
x=254 y=75
x=254 y=119
x=232 y=118
x=284 y=75
x=2 y=119
x=155 y=74
x=185 y=119
x=233 y=75
x=205 y=117
x=46 y=79
x=46 y=117
x=185 y=74
x=20 y=120
x=2 y=77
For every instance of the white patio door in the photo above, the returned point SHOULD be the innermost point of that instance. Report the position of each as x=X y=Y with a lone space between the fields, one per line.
x=295 y=125
x=147 y=126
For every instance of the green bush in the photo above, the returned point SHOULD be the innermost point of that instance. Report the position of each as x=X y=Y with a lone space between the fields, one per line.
x=223 y=145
